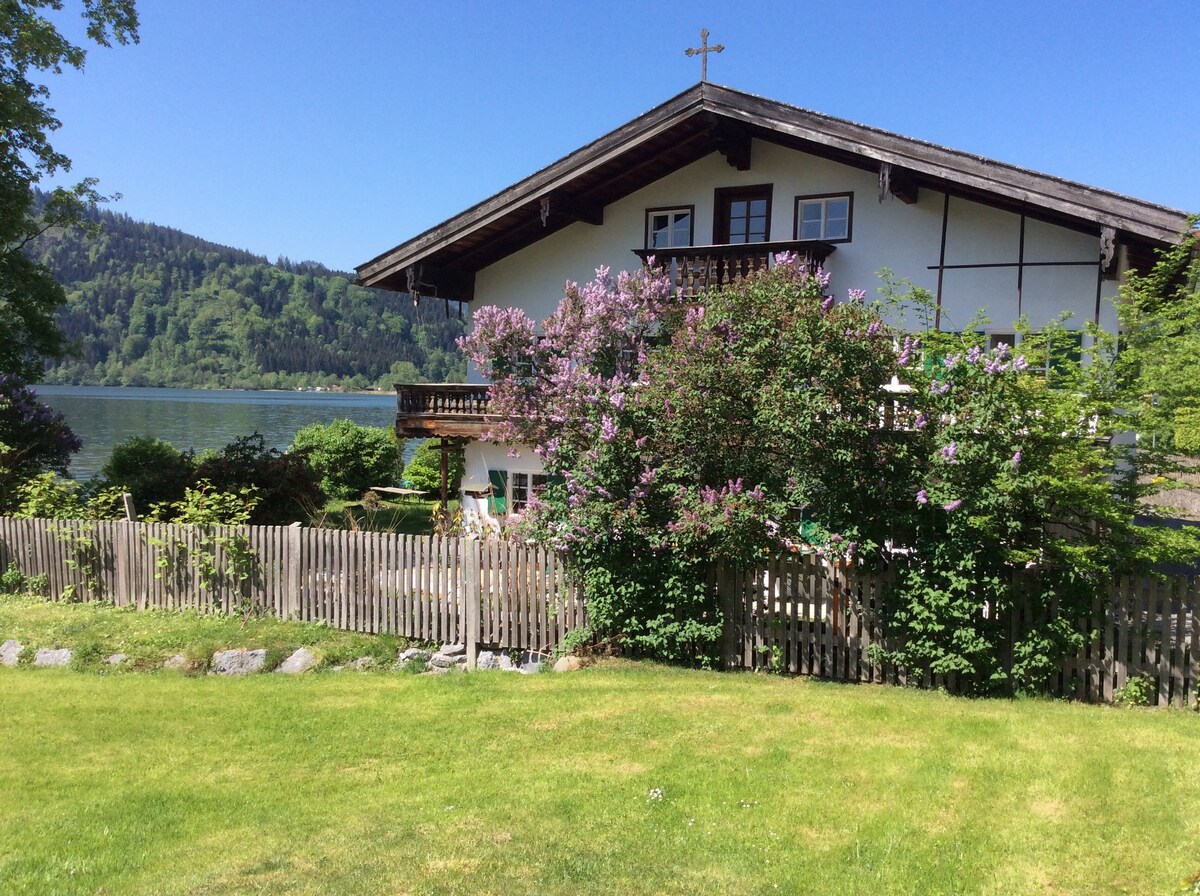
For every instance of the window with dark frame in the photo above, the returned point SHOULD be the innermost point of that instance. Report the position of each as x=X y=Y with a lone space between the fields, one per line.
x=742 y=215
x=670 y=228
x=825 y=216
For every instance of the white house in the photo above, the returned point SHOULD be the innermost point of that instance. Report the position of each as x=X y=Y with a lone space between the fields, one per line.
x=719 y=180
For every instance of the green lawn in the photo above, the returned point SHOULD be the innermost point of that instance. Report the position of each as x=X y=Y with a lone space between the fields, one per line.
x=493 y=783
x=402 y=517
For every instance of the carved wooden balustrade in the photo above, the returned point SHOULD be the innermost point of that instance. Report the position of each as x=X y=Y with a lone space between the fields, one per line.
x=448 y=410
x=697 y=269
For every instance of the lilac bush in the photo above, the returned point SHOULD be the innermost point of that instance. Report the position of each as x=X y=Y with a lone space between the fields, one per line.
x=34 y=439
x=678 y=431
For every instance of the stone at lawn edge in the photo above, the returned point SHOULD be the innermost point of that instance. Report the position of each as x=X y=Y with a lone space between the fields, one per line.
x=116 y=659
x=10 y=652
x=362 y=664
x=487 y=660
x=300 y=661
x=178 y=661
x=441 y=661
x=531 y=668
x=568 y=664
x=453 y=650
x=413 y=653
x=506 y=663
x=237 y=661
x=47 y=657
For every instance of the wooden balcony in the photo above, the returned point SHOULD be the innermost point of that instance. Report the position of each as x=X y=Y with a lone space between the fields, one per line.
x=697 y=269
x=441 y=410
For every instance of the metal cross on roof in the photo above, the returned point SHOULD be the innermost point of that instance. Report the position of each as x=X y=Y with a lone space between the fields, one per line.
x=702 y=51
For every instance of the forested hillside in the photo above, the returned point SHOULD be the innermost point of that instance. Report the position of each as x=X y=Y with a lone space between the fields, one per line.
x=152 y=306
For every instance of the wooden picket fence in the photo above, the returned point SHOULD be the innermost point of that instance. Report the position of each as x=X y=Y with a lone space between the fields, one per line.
x=807 y=616
x=798 y=615
x=427 y=588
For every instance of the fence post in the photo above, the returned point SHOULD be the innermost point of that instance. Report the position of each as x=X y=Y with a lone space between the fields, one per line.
x=471 y=597
x=729 y=599
x=293 y=603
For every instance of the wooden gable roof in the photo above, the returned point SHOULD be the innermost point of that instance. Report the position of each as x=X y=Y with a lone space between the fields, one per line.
x=708 y=118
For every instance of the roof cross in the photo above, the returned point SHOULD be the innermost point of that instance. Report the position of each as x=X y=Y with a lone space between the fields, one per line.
x=703 y=51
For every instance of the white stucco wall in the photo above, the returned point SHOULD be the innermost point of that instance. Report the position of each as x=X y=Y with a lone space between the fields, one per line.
x=904 y=238
x=892 y=234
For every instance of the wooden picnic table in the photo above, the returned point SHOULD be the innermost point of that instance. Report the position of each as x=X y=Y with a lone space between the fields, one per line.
x=404 y=494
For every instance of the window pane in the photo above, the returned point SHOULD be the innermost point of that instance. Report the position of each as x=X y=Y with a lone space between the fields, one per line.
x=683 y=229
x=758 y=207
x=835 y=229
x=810 y=230
x=838 y=208
x=758 y=230
x=737 y=208
x=737 y=230
x=810 y=211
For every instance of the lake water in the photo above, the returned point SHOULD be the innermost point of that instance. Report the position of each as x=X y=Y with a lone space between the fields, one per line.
x=103 y=416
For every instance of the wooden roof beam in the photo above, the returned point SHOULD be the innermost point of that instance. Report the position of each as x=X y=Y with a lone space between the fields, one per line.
x=424 y=280
x=560 y=206
x=899 y=182
x=732 y=141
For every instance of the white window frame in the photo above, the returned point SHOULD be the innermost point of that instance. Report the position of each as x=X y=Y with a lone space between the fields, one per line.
x=822 y=200
x=522 y=487
x=674 y=212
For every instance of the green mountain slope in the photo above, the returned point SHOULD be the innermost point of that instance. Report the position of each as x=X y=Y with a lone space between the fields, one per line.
x=152 y=306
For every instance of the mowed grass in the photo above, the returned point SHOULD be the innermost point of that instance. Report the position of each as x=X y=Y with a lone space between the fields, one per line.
x=493 y=783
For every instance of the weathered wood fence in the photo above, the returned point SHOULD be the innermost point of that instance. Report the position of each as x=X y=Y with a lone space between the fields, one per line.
x=797 y=615
x=428 y=588
x=810 y=617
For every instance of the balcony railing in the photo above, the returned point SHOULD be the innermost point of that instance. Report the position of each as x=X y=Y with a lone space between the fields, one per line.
x=697 y=269
x=448 y=410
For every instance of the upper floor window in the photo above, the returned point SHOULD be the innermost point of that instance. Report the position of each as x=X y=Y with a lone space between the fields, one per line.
x=669 y=228
x=824 y=217
x=742 y=215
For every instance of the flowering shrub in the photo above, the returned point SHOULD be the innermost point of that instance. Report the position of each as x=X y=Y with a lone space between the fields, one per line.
x=757 y=419
x=33 y=439
x=1019 y=506
x=676 y=432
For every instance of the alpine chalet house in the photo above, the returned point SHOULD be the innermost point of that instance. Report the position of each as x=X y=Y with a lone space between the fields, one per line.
x=717 y=181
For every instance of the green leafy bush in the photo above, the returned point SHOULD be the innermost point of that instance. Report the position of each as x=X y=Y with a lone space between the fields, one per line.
x=152 y=470
x=348 y=458
x=285 y=485
x=424 y=471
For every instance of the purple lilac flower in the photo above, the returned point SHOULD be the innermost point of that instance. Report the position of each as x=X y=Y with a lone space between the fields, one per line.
x=857 y=295
x=949 y=452
x=922 y=421
x=952 y=505
x=873 y=328
x=608 y=429
x=1016 y=460
x=939 y=388
x=922 y=497
x=974 y=354
x=827 y=304
x=1019 y=363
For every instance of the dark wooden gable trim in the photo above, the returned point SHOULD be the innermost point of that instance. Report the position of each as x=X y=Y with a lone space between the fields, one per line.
x=708 y=118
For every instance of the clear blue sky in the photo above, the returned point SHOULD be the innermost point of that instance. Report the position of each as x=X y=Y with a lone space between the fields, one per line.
x=333 y=131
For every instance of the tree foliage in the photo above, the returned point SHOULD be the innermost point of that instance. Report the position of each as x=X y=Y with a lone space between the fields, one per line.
x=30 y=48
x=1160 y=327
x=348 y=458
x=150 y=306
